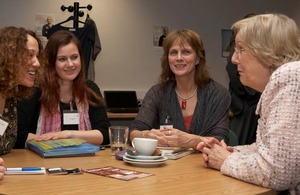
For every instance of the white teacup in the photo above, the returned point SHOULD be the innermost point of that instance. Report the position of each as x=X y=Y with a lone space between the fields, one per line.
x=144 y=146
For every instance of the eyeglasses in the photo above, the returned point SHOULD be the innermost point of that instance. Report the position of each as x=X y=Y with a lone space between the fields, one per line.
x=239 y=52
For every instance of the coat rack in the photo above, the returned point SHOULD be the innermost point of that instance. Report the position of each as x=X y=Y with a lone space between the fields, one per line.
x=76 y=11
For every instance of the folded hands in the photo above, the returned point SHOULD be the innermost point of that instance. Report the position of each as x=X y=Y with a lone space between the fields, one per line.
x=214 y=152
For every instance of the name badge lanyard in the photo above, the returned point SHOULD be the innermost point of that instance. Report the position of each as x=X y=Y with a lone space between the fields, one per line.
x=70 y=117
x=3 y=125
x=167 y=123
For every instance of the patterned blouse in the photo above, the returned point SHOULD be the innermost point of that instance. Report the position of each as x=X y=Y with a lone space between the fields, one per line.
x=8 y=140
x=274 y=160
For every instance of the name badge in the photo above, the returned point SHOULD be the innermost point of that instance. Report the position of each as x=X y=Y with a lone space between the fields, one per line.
x=166 y=127
x=3 y=126
x=70 y=117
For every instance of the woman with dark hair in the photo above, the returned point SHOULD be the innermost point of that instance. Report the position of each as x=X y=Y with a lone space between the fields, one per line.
x=66 y=105
x=186 y=97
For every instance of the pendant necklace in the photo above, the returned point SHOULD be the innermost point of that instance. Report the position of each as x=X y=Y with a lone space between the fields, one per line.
x=183 y=102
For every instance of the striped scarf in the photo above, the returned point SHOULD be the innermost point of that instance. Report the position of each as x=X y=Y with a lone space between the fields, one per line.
x=48 y=124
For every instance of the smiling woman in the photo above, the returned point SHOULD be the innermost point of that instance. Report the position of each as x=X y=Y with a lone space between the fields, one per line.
x=66 y=104
x=18 y=65
x=187 y=106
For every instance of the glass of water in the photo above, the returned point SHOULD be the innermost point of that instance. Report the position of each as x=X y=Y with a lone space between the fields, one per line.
x=118 y=136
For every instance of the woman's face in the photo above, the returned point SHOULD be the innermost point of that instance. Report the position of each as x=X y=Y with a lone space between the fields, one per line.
x=28 y=75
x=252 y=73
x=182 y=60
x=68 y=63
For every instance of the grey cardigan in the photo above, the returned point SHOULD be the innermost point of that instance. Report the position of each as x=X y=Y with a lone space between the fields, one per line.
x=210 y=116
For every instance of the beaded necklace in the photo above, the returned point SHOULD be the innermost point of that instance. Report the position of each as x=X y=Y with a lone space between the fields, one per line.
x=184 y=99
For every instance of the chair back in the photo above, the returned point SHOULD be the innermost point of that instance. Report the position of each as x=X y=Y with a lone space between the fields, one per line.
x=233 y=139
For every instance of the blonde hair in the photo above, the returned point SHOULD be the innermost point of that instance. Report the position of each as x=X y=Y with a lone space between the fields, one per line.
x=273 y=38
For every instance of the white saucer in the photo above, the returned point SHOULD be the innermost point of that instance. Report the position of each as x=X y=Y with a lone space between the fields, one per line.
x=168 y=148
x=142 y=157
x=160 y=159
x=143 y=164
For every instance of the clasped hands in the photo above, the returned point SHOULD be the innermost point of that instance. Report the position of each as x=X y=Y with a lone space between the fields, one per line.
x=214 y=152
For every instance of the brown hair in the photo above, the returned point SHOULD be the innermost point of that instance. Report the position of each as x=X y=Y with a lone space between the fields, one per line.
x=49 y=83
x=194 y=40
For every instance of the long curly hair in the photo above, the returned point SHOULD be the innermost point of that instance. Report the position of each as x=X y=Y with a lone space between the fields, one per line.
x=14 y=59
x=50 y=97
x=191 y=38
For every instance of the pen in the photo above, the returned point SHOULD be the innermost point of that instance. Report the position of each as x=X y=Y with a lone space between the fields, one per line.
x=24 y=169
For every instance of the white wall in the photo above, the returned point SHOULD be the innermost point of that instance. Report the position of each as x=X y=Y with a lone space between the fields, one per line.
x=127 y=60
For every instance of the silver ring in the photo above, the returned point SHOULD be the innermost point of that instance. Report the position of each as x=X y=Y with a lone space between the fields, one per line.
x=170 y=132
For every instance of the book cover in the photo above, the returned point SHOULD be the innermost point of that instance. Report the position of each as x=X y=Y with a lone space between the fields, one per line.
x=62 y=148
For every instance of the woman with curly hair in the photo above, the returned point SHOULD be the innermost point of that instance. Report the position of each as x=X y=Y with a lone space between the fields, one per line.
x=18 y=67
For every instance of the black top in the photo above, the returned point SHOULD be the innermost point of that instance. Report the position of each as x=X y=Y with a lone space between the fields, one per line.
x=28 y=114
x=243 y=104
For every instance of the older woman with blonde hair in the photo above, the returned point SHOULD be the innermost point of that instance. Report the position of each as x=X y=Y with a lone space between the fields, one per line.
x=267 y=54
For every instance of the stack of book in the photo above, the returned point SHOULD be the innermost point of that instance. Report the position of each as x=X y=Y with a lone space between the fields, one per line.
x=174 y=153
x=62 y=148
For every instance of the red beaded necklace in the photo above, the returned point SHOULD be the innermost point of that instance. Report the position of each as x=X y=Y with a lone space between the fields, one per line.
x=183 y=102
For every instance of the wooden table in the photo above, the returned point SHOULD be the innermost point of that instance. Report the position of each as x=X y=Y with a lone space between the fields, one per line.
x=121 y=119
x=182 y=176
x=112 y=115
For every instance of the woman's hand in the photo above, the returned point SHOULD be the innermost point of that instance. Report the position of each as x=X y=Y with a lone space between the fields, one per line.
x=2 y=169
x=214 y=153
x=177 y=138
x=54 y=135
x=156 y=134
x=91 y=136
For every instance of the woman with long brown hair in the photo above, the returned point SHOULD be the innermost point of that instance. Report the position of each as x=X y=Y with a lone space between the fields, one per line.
x=68 y=105
x=187 y=105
